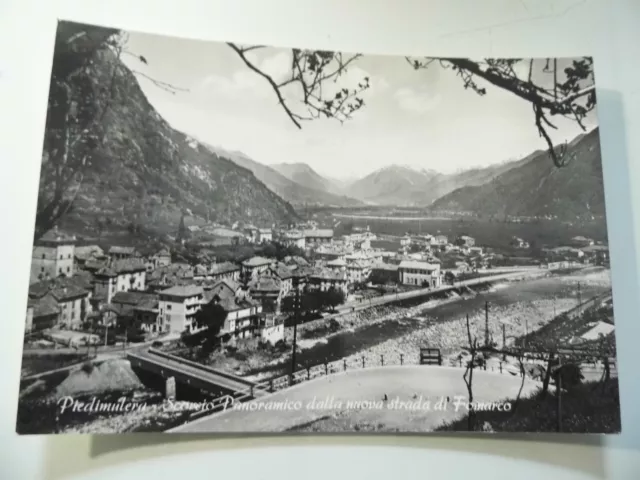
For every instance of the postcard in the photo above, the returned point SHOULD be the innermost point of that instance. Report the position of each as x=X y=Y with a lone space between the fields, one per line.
x=244 y=238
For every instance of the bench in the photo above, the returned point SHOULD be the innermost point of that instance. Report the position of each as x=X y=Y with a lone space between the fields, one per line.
x=430 y=356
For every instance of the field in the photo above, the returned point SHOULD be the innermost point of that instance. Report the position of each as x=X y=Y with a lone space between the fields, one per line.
x=486 y=232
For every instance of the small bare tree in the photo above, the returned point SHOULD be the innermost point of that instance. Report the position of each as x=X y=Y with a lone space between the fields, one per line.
x=468 y=376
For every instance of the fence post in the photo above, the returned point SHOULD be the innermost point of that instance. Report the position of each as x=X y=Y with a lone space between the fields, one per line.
x=326 y=367
x=500 y=367
x=382 y=360
x=344 y=362
x=460 y=362
x=271 y=385
x=251 y=387
x=308 y=373
x=401 y=359
x=363 y=361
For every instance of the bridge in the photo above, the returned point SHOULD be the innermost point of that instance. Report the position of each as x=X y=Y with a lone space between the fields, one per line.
x=192 y=374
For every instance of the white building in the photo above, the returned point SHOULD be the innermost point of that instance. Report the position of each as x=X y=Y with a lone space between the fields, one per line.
x=254 y=266
x=265 y=235
x=293 y=238
x=419 y=273
x=178 y=307
x=358 y=271
x=53 y=255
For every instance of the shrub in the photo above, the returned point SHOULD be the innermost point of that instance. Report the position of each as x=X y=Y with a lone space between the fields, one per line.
x=87 y=367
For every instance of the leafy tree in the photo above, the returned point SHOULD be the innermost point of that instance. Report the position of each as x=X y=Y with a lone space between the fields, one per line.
x=212 y=317
x=415 y=248
x=333 y=297
x=449 y=277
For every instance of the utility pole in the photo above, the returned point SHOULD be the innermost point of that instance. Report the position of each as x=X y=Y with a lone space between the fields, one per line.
x=559 y=392
x=486 y=323
x=296 y=312
x=579 y=298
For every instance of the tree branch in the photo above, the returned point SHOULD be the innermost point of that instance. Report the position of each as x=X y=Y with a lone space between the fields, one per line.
x=274 y=86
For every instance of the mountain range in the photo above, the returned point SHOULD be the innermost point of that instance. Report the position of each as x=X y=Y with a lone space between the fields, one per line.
x=309 y=189
x=147 y=174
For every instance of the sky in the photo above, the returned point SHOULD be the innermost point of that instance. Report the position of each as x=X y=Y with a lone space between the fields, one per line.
x=423 y=119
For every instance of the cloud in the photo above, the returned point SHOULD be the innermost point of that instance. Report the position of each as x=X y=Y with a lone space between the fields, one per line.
x=416 y=101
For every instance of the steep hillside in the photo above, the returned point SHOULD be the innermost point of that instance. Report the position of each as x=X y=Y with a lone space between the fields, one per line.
x=441 y=185
x=304 y=175
x=538 y=188
x=144 y=173
x=287 y=188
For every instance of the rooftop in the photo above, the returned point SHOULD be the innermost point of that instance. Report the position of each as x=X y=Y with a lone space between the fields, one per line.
x=68 y=292
x=133 y=298
x=55 y=236
x=88 y=251
x=324 y=274
x=417 y=265
x=281 y=271
x=122 y=250
x=265 y=284
x=224 y=267
x=257 y=261
x=224 y=232
x=385 y=266
x=318 y=233
x=45 y=306
x=336 y=263
x=184 y=291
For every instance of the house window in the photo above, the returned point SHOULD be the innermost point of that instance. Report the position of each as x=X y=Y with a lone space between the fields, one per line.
x=68 y=269
x=42 y=269
x=43 y=255
x=168 y=307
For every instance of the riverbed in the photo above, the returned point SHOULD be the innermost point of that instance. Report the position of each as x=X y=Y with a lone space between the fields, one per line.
x=522 y=306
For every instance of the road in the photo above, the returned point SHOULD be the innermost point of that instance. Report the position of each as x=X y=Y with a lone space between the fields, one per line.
x=394 y=297
x=406 y=383
x=101 y=349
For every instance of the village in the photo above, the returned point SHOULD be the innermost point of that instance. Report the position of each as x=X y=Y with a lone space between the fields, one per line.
x=85 y=295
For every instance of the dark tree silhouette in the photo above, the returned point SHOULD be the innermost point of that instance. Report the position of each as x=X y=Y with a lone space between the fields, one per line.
x=569 y=93
x=212 y=317
x=332 y=298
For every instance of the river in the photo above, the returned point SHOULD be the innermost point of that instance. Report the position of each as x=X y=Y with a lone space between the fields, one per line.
x=522 y=305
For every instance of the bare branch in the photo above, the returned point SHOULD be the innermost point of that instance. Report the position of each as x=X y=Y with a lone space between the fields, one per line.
x=274 y=86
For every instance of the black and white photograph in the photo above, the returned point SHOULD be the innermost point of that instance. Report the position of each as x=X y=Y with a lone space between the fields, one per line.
x=236 y=237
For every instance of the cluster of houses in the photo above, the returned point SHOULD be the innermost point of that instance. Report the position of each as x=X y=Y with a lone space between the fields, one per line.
x=74 y=286
x=580 y=249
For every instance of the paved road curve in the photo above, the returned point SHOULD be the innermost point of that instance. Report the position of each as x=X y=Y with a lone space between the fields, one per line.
x=407 y=383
